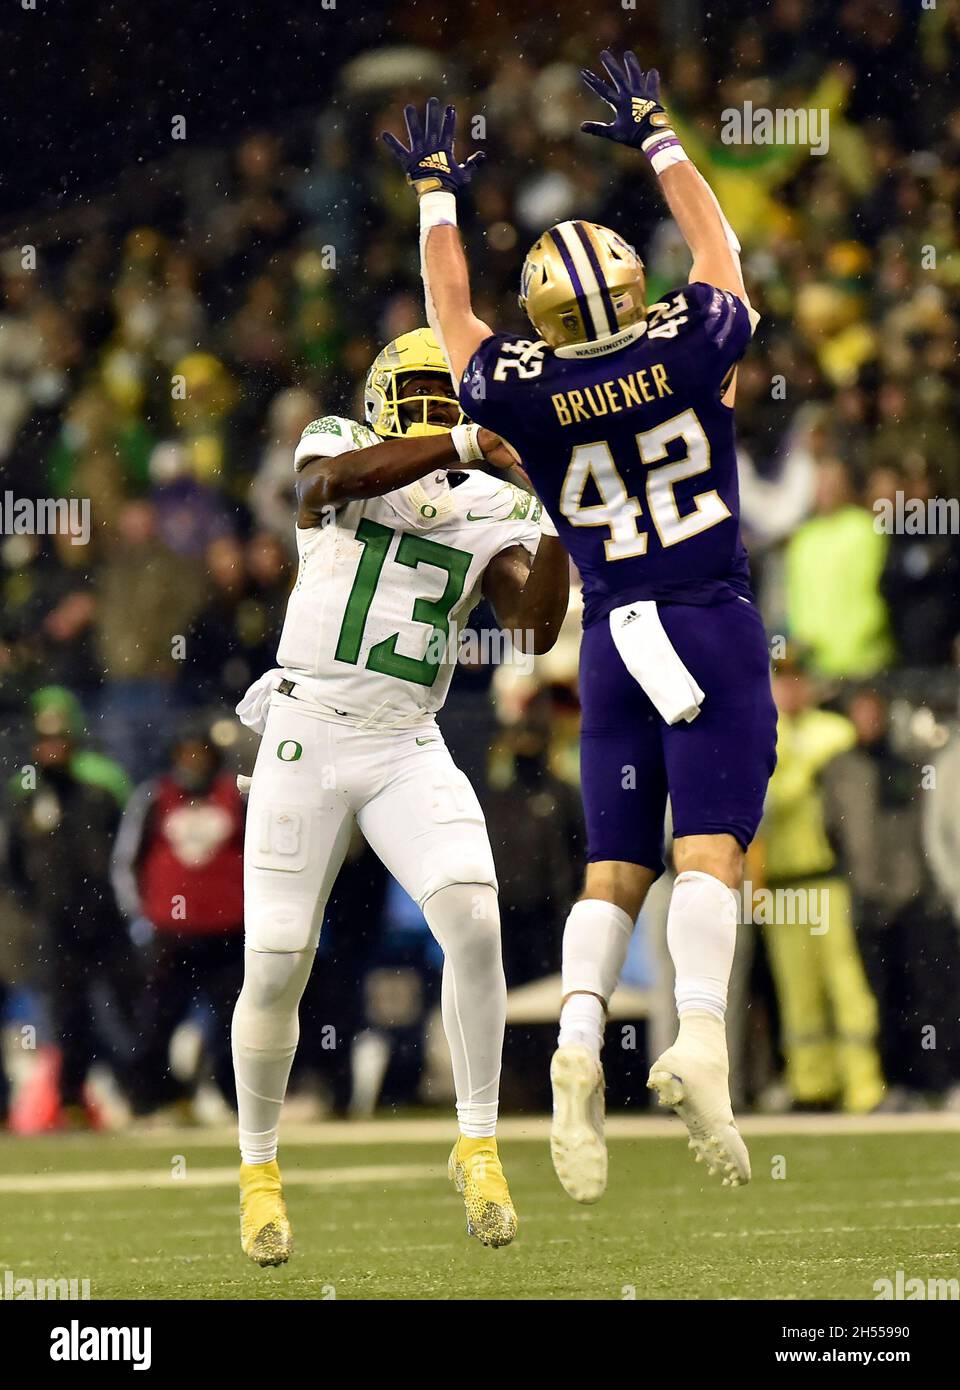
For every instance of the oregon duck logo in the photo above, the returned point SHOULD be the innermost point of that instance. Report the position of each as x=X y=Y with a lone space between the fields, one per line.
x=290 y=751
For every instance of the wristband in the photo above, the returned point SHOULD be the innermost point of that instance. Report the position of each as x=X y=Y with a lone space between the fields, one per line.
x=547 y=527
x=438 y=208
x=464 y=439
x=663 y=149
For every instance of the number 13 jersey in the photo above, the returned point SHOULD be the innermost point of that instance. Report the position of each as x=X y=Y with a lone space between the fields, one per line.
x=386 y=584
x=630 y=447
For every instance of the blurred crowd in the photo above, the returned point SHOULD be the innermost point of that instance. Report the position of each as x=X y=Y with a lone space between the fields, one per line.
x=159 y=357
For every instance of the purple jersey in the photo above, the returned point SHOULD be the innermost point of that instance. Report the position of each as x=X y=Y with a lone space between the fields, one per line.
x=630 y=448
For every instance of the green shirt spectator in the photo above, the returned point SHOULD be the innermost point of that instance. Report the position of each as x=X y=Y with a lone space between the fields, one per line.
x=835 y=611
x=794 y=830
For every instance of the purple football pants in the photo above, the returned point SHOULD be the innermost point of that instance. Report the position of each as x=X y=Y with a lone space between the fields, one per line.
x=715 y=769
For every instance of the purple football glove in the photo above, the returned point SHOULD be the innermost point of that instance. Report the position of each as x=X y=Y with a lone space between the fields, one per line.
x=430 y=163
x=635 y=98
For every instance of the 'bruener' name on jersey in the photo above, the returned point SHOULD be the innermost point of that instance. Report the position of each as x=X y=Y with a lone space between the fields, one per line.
x=631 y=447
x=616 y=394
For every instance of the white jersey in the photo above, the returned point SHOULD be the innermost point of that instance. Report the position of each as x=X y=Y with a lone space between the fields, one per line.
x=384 y=587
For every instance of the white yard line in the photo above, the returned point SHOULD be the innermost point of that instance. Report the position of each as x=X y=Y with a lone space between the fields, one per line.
x=137 y=1179
x=537 y=1128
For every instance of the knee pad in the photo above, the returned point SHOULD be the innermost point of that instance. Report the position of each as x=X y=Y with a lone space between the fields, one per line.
x=266 y=1016
x=279 y=926
x=467 y=861
x=270 y=977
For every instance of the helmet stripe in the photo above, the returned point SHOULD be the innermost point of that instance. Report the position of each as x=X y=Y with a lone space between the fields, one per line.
x=589 y=278
x=571 y=269
x=605 y=296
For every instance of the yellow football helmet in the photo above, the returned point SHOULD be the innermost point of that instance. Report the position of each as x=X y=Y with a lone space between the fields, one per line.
x=412 y=354
x=582 y=283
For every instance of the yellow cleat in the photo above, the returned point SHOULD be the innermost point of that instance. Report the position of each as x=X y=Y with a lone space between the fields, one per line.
x=265 y=1233
x=476 y=1172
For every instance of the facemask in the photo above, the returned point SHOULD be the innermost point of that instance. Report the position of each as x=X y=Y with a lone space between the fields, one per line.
x=424 y=429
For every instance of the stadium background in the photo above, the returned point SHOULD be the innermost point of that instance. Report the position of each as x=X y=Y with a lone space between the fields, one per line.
x=209 y=258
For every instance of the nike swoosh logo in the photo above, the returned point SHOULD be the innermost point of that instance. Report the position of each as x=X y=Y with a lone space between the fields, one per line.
x=484 y=517
x=422 y=741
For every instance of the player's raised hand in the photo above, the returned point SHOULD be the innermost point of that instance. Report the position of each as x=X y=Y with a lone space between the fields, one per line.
x=430 y=163
x=635 y=98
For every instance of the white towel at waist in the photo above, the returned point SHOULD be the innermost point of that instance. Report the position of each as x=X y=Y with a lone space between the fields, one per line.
x=252 y=709
x=649 y=656
x=255 y=705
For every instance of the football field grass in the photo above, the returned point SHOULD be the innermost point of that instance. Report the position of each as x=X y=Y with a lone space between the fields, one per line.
x=832 y=1208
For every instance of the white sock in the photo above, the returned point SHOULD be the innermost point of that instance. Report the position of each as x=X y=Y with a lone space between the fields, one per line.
x=266 y=1029
x=595 y=941
x=583 y=1018
x=701 y=938
x=465 y=919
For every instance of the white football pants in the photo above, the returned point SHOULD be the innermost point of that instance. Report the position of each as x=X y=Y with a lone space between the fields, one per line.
x=312 y=781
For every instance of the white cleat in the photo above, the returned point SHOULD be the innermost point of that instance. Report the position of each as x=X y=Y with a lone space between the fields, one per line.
x=577 y=1145
x=692 y=1077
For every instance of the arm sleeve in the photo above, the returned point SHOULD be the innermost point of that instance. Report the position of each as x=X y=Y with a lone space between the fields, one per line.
x=433 y=318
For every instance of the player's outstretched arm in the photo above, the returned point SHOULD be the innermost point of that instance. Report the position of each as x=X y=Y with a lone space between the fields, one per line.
x=530 y=599
x=703 y=227
x=447 y=281
x=323 y=483
x=641 y=121
x=433 y=171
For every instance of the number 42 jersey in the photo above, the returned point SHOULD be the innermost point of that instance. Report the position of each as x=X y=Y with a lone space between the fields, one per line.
x=630 y=447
